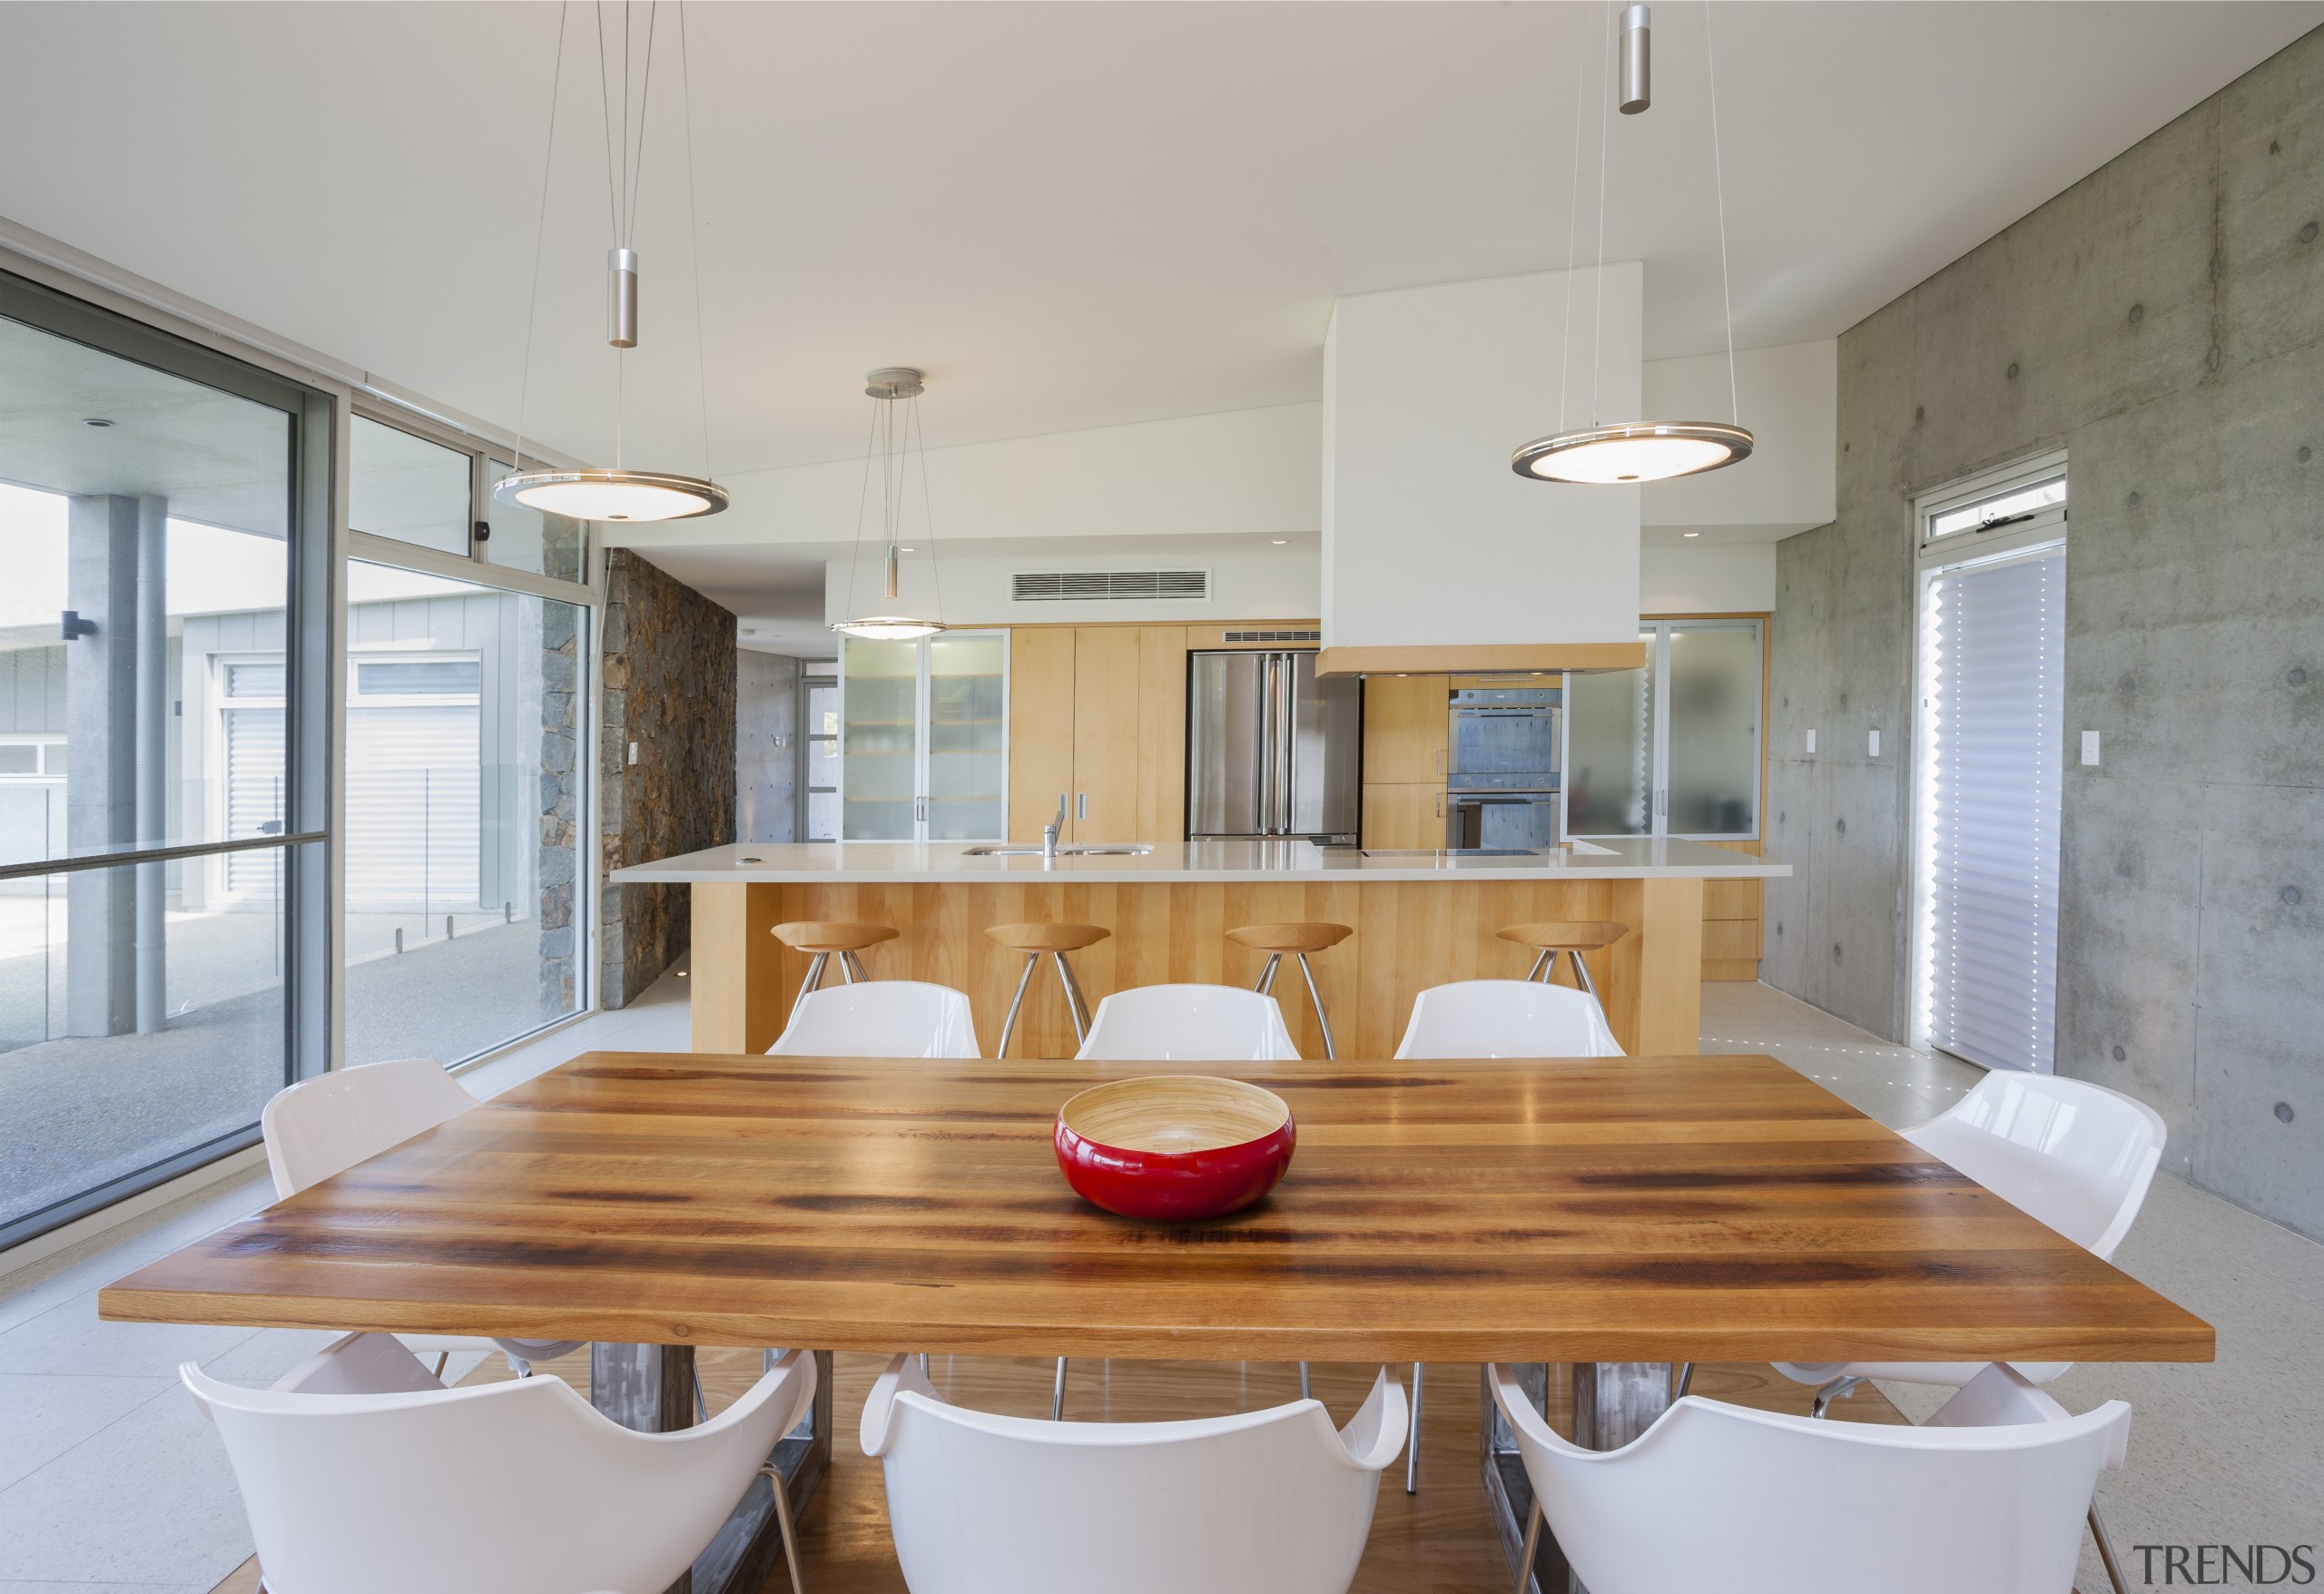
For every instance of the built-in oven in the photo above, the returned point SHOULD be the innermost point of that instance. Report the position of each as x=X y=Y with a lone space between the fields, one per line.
x=1504 y=784
x=1501 y=820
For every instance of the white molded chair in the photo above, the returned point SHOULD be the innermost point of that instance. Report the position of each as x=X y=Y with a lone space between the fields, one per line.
x=1506 y=1018
x=2078 y=1157
x=1188 y=1024
x=1987 y=1495
x=1183 y=1024
x=1262 y=1502
x=325 y=1126
x=1499 y=1018
x=346 y=1490
x=880 y=1019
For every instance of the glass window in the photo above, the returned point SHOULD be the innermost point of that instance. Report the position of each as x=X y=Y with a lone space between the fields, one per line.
x=819 y=697
x=150 y=505
x=464 y=811
x=968 y=764
x=878 y=740
x=407 y=487
x=2017 y=505
x=1609 y=752
x=526 y=540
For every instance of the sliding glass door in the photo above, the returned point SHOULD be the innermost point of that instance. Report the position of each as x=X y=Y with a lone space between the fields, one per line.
x=1673 y=749
x=163 y=812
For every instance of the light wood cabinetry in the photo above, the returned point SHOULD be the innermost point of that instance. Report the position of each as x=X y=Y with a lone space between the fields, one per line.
x=1041 y=726
x=1098 y=713
x=1406 y=720
x=1403 y=815
x=1732 y=921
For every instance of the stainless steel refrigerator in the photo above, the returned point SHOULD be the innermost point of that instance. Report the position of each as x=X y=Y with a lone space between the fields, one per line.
x=1271 y=751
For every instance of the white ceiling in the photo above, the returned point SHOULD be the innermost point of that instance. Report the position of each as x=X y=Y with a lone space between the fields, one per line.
x=1072 y=215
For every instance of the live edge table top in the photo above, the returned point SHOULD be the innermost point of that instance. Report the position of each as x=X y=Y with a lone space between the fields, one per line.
x=1623 y=1209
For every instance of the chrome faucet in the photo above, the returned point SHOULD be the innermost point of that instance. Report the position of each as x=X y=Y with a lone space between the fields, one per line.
x=1049 y=830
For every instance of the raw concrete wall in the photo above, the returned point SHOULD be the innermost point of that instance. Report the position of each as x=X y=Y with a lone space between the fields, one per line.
x=2159 y=320
x=766 y=747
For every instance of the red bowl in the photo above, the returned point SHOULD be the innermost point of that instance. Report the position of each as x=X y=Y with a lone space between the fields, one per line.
x=1175 y=1147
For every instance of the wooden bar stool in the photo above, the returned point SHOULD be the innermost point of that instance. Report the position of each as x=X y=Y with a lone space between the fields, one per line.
x=1052 y=941
x=1297 y=941
x=822 y=937
x=1572 y=939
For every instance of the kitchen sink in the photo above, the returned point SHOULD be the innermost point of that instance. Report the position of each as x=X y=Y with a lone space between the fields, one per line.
x=1068 y=849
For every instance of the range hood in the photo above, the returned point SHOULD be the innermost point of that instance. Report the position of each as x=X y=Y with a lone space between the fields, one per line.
x=1438 y=558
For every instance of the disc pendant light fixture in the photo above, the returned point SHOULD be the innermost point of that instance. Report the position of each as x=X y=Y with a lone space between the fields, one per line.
x=895 y=443
x=1613 y=453
x=619 y=493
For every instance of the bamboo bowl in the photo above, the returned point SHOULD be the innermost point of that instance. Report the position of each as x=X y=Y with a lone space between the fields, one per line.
x=1175 y=1147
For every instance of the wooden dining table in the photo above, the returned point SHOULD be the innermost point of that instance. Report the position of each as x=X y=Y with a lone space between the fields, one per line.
x=1616 y=1214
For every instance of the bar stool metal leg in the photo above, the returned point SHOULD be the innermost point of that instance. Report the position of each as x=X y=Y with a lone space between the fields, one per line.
x=1582 y=973
x=850 y=969
x=1267 y=975
x=1074 y=1003
x=1008 y=1024
x=1412 y=1444
x=814 y=979
x=1544 y=962
x=1316 y=996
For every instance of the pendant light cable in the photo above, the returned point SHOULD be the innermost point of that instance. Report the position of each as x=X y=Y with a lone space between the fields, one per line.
x=1572 y=209
x=1605 y=137
x=1718 y=179
x=693 y=235
x=540 y=232
x=928 y=511
x=863 y=499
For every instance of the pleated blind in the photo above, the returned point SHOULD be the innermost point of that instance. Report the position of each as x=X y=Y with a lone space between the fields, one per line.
x=1996 y=637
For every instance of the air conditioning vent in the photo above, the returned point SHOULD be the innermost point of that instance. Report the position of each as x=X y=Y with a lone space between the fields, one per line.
x=1060 y=587
x=1272 y=636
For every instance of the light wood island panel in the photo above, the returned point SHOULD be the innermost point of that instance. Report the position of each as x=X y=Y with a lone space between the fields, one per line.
x=1409 y=935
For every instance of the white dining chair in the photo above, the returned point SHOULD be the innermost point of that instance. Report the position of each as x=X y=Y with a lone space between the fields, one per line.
x=1183 y=1024
x=1498 y=1018
x=1261 y=1503
x=1506 y=1018
x=2075 y=1155
x=1989 y=1495
x=1188 y=1024
x=322 y=1126
x=880 y=1019
x=345 y=1484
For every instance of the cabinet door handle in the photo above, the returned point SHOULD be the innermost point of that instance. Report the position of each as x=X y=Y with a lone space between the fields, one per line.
x=1440 y=805
x=1081 y=805
x=1440 y=762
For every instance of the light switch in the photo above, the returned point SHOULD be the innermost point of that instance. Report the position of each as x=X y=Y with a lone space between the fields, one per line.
x=2090 y=748
x=1873 y=746
x=632 y=753
x=1811 y=741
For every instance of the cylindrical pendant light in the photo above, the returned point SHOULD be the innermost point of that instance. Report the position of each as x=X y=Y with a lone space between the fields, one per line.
x=1637 y=60
x=621 y=298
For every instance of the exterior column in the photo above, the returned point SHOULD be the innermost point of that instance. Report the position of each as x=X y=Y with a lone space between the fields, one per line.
x=101 y=762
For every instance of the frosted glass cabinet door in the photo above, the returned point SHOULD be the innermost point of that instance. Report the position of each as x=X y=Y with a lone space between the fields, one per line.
x=968 y=763
x=1609 y=752
x=878 y=740
x=1714 y=711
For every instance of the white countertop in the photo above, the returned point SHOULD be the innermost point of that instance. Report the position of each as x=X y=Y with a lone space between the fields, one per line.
x=934 y=862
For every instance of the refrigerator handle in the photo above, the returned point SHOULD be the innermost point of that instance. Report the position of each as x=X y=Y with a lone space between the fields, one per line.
x=1283 y=682
x=1268 y=735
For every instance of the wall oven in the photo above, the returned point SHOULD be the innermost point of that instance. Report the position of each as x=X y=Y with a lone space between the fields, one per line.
x=1503 y=783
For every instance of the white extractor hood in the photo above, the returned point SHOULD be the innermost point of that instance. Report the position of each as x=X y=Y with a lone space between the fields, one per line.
x=1436 y=556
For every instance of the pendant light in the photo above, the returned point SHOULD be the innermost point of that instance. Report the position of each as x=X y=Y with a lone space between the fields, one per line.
x=619 y=493
x=1620 y=452
x=894 y=442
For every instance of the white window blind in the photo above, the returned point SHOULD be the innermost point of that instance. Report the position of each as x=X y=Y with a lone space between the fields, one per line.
x=1992 y=652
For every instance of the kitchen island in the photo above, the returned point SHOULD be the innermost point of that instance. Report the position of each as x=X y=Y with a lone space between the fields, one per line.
x=1421 y=919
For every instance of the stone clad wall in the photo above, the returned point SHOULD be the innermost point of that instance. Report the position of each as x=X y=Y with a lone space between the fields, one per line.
x=2159 y=320
x=561 y=803
x=668 y=680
